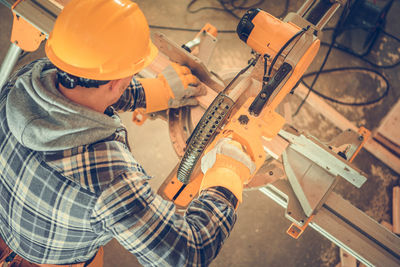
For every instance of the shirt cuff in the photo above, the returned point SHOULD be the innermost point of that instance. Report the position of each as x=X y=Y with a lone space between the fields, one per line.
x=222 y=192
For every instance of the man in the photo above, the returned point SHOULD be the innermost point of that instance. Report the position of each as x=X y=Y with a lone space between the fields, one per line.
x=68 y=181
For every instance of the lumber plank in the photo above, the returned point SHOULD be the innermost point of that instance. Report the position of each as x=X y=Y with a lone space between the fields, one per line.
x=395 y=148
x=346 y=260
x=390 y=125
x=383 y=154
x=207 y=99
x=275 y=147
x=387 y=225
x=396 y=210
x=181 y=56
x=161 y=62
x=287 y=111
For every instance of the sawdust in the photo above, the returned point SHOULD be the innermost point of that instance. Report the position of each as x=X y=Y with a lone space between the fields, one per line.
x=383 y=56
x=362 y=122
x=350 y=87
x=376 y=78
x=374 y=53
x=312 y=122
x=380 y=203
x=385 y=175
x=353 y=114
x=358 y=113
x=329 y=256
x=388 y=60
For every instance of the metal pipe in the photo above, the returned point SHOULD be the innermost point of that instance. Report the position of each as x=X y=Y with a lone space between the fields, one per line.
x=328 y=15
x=9 y=63
x=320 y=12
x=305 y=7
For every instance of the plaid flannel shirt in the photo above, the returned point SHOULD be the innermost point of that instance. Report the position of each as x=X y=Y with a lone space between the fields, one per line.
x=60 y=207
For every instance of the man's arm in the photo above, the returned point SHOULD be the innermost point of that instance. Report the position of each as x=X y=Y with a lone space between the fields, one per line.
x=133 y=97
x=174 y=87
x=148 y=226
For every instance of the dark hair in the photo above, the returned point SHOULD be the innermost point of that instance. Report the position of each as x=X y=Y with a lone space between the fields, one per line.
x=71 y=81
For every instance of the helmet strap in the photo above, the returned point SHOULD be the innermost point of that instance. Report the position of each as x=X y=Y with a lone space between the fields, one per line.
x=71 y=81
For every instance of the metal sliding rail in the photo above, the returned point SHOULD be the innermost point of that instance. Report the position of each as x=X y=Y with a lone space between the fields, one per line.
x=347 y=227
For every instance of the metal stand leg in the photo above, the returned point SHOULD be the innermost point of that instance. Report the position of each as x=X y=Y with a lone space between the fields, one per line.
x=9 y=63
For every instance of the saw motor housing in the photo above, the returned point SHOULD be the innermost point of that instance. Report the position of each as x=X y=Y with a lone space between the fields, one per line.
x=263 y=32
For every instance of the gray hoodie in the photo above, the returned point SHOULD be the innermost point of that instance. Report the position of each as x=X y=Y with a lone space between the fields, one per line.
x=42 y=119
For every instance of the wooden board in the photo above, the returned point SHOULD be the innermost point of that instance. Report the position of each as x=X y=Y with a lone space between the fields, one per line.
x=390 y=125
x=181 y=56
x=161 y=62
x=207 y=99
x=396 y=209
x=392 y=147
x=346 y=260
x=387 y=225
x=275 y=147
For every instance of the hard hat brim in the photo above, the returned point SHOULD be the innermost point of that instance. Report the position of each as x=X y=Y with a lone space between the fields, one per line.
x=97 y=73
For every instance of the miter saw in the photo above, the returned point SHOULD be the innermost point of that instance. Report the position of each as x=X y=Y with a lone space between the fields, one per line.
x=294 y=169
x=282 y=51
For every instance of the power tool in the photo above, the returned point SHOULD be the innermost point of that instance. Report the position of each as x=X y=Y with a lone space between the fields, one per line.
x=287 y=49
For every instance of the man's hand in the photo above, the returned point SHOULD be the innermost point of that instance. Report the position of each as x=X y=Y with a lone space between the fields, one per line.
x=175 y=87
x=227 y=165
x=183 y=84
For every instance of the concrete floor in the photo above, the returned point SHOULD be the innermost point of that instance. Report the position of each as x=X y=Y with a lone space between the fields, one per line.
x=259 y=237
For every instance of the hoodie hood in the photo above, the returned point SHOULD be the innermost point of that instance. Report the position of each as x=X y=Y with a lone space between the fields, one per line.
x=43 y=119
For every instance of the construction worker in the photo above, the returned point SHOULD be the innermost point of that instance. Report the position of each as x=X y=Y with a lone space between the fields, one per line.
x=68 y=180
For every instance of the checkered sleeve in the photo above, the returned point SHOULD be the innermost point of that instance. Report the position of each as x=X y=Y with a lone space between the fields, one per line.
x=132 y=98
x=149 y=227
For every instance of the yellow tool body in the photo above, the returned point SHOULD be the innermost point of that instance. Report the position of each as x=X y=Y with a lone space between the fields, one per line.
x=24 y=34
x=277 y=39
x=269 y=33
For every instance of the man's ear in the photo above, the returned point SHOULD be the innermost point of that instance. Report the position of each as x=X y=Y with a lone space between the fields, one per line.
x=114 y=85
x=120 y=85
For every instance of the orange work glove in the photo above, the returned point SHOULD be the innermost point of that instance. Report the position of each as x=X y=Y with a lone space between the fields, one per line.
x=175 y=87
x=227 y=165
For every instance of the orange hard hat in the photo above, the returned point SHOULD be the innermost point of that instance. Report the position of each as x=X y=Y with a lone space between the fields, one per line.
x=101 y=39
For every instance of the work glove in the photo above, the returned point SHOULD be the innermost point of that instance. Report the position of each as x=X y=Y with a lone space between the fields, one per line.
x=227 y=165
x=175 y=87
